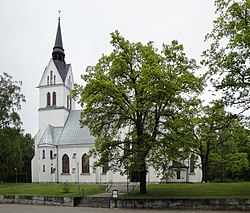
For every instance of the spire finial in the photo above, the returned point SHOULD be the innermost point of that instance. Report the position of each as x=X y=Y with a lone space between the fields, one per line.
x=59 y=13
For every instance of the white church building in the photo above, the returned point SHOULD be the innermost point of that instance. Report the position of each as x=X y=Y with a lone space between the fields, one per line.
x=61 y=146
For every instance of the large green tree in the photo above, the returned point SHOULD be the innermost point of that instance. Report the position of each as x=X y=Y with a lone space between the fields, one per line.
x=229 y=53
x=16 y=149
x=130 y=96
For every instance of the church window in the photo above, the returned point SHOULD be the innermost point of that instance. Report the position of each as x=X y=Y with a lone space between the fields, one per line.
x=192 y=161
x=85 y=163
x=48 y=99
x=68 y=102
x=51 y=75
x=47 y=80
x=65 y=164
x=43 y=154
x=51 y=154
x=54 y=98
x=43 y=168
x=54 y=79
x=178 y=175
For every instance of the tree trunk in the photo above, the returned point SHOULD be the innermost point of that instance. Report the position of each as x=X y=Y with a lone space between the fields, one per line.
x=204 y=162
x=143 y=187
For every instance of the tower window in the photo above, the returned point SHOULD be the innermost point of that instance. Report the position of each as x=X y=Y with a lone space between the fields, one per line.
x=43 y=154
x=47 y=80
x=85 y=163
x=54 y=98
x=51 y=75
x=65 y=164
x=48 y=99
x=43 y=168
x=54 y=79
x=68 y=102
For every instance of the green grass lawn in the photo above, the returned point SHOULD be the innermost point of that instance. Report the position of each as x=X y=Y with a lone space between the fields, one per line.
x=49 y=189
x=197 y=190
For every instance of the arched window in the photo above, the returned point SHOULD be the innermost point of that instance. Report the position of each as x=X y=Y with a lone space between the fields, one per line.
x=65 y=164
x=47 y=80
x=68 y=102
x=43 y=154
x=51 y=76
x=51 y=154
x=48 y=99
x=54 y=98
x=85 y=163
x=192 y=162
x=54 y=79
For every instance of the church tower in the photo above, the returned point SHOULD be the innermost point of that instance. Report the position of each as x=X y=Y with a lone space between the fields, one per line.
x=54 y=88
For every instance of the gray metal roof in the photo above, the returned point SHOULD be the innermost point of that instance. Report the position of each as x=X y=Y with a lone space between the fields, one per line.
x=51 y=135
x=72 y=132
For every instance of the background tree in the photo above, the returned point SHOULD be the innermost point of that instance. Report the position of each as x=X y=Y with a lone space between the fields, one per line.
x=206 y=131
x=229 y=161
x=16 y=149
x=10 y=101
x=228 y=55
x=129 y=97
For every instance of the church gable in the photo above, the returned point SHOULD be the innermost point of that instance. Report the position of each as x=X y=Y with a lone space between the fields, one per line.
x=50 y=136
x=50 y=75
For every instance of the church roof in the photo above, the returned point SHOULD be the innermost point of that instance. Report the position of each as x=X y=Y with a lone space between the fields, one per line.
x=73 y=133
x=70 y=134
x=58 y=54
x=62 y=68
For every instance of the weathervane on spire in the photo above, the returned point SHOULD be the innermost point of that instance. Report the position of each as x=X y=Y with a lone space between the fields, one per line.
x=59 y=12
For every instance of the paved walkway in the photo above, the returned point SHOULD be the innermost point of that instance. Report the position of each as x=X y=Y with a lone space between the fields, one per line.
x=13 y=208
x=106 y=194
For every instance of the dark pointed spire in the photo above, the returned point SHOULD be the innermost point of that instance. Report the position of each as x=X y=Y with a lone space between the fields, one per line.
x=58 y=51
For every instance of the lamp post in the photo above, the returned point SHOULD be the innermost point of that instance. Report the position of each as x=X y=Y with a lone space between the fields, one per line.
x=78 y=179
x=16 y=173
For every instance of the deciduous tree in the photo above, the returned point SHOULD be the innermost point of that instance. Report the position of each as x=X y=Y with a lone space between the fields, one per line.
x=228 y=56
x=10 y=101
x=130 y=97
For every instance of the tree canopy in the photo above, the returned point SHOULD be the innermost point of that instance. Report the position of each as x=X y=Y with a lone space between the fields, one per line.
x=16 y=149
x=228 y=56
x=130 y=98
x=10 y=101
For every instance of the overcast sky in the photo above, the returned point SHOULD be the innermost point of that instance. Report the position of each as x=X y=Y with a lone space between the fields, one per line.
x=28 y=30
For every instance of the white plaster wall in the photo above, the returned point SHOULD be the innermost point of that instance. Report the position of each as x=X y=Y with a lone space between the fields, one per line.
x=75 y=165
x=55 y=118
x=152 y=176
x=61 y=95
x=47 y=175
x=95 y=175
x=35 y=159
x=196 y=177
